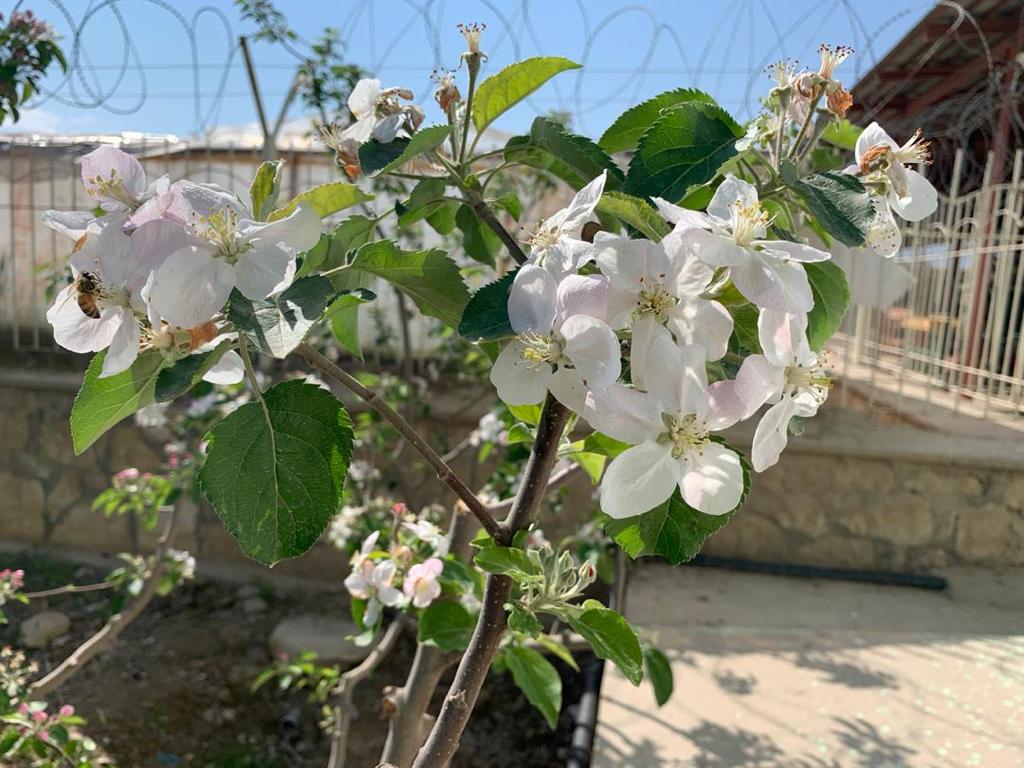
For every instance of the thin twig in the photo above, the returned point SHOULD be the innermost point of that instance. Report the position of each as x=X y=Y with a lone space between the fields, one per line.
x=117 y=624
x=346 y=689
x=444 y=471
x=68 y=589
x=558 y=479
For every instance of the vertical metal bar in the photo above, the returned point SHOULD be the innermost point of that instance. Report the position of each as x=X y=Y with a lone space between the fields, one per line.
x=1015 y=271
x=948 y=274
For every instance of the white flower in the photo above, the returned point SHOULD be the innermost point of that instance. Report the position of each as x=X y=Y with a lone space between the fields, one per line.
x=227 y=249
x=883 y=167
x=116 y=268
x=789 y=375
x=429 y=534
x=556 y=244
x=662 y=283
x=562 y=344
x=379 y=112
x=669 y=428
x=422 y=584
x=371 y=581
x=731 y=234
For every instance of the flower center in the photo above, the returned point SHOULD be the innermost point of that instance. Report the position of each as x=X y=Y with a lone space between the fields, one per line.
x=221 y=229
x=112 y=187
x=541 y=350
x=809 y=378
x=832 y=58
x=654 y=300
x=917 y=150
x=686 y=434
x=543 y=237
x=114 y=296
x=749 y=223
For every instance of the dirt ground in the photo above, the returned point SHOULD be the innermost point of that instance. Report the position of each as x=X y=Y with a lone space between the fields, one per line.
x=176 y=689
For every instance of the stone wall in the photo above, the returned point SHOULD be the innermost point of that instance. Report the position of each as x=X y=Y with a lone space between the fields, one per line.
x=850 y=492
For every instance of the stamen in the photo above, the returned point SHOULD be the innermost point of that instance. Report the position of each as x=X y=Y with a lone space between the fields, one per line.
x=749 y=223
x=112 y=187
x=832 y=58
x=916 y=150
x=541 y=350
x=686 y=434
x=221 y=229
x=654 y=300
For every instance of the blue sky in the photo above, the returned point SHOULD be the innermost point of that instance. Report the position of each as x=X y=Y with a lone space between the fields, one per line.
x=630 y=51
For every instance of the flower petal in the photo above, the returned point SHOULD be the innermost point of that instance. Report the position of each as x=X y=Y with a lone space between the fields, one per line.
x=773 y=284
x=884 y=235
x=569 y=389
x=699 y=321
x=228 y=370
x=532 y=299
x=191 y=286
x=713 y=249
x=629 y=264
x=583 y=295
x=363 y=99
x=76 y=331
x=682 y=218
x=593 y=349
x=638 y=480
x=265 y=269
x=110 y=163
x=771 y=435
x=712 y=480
x=795 y=251
x=919 y=199
x=581 y=208
x=624 y=414
x=124 y=347
x=871 y=136
x=70 y=223
x=519 y=381
x=732 y=192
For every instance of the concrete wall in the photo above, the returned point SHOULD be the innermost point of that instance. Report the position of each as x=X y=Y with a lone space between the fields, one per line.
x=849 y=492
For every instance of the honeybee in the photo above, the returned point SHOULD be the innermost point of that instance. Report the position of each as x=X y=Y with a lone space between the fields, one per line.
x=86 y=290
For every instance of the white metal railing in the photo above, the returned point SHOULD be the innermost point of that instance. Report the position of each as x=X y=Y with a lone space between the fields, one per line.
x=938 y=330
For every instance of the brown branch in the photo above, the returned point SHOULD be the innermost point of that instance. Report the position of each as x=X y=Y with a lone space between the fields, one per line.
x=347 y=685
x=117 y=624
x=444 y=471
x=68 y=589
x=557 y=480
x=443 y=741
x=490 y=218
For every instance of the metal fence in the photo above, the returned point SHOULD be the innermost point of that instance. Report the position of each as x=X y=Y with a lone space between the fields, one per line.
x=938 y=330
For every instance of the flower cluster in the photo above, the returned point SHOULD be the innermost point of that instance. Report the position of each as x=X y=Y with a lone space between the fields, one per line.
x=156 y=268
x=28 y=46
x=11 y=583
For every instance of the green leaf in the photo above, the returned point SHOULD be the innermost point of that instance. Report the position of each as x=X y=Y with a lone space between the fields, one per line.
x=501 y=91
x=597 y=442
x=478 y=241
x=684 y=148
x=674 y=529
x=430 y=278
x=842 y=134
x=637 y=213
x=343 y=317
x=506 y=561
x=574 y=159
x=485 y=317
x=522 y=620
x=831 y=299
x=265 y=188
x=624 y=134
x=554 y=647
x=102 y=403
x=424 y=200
x=447 y=625
x=538 y=679
x=659 y=672
x=333 y=248
x=744 y=328
x=179 y=378
x=424 y=140
x=611 y=637
x=274 y=471
x=591 y=463
x=510 y=203
x=325 y=200
x=278 y=325
x=442 y=218
x=840 y=203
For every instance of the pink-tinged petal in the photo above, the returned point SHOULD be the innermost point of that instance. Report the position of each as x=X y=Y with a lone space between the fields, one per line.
x=732 y=192
x=624 y=414
x=713 y=249
x=593 y=349
x=190 y=202
x=677 y=378
x=725 y=405
x=783 y=336
x=630 y=264
x=712 y=481
x=771 y=435
x=151 y=244
x=519 y=381
x=682 y=218
x=228 y=370
x=532 y=300
x=569 y=389
x=106 y=249
x=917 y=201
x=703 y=322
x=582 y=295
x=77 y=332
x=871 y=136
x=638 y=480
x=107 y=163
x=642 y=363
x=794 y=251
x=191 y=286
x=124 y=347
x=757 y=382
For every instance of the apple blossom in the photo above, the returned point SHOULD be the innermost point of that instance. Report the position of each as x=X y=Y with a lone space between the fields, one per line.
x=226 y=249
x=372 y=581
x=662 y=283
x=562 y=342
x=429 y=534
x=556 y=244
x=732 y=234
x=422 y=585
x=669 y=428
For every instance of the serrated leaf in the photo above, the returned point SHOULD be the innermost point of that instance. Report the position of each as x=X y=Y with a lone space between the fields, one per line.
x=597 y=442
x=510 y=203
x=275 y=476
x=430 y=278
x=659 y=672
x=424 y=200
x=611 y=637
x=478 y=241
x=325 y=200
x=175 y=380
x=278 y=325
x=503 y=90
x=343 y=315
x=574 y=159
x=447 y=625
x=831 y=299
x=674 y=530
x=333 y=248
x=840 y=203
x=684 y=148
x=538 y=679
x=506 y=561
x=265 y=188
x=102 y=403
x=637 y=213
x=624 y=134
x=424 y=140
x=485 y=317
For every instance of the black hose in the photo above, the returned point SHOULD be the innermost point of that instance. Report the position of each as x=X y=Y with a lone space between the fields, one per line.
x=581 y=748
x=887 y=578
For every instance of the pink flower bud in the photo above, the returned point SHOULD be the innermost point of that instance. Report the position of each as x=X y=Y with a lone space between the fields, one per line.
x=67 y=710
x=40 y=716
